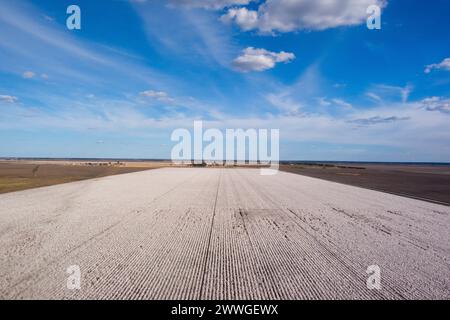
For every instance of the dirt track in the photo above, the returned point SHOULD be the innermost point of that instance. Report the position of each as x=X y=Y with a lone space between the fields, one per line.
x=220 y=234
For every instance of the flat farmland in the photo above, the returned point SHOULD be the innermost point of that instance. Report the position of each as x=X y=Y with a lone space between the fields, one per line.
x=22 y=175
x=420 y=181
x=203 y=233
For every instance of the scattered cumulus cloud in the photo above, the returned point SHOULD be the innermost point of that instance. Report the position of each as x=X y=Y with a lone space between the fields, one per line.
x=293 y=15
x=444 y=65
x=253 y=59
x=312 y=124
x=244 y=18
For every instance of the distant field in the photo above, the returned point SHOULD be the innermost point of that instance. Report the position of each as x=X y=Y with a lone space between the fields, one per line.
x=427 y=182
x=16 y=175
x=22 y=175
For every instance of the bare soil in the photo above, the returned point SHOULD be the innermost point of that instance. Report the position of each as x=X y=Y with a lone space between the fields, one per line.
x=22 y=175
x=425 y=182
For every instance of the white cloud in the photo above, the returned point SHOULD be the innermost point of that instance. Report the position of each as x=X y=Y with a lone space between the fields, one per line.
x=48 y=18
x=208 y=4
x=158 y=95
x=28 y=75
x=445 y=65
x=39 y=45
x=377 y=120
x=31 y=75
x=253 y=59
x=405 y=127
x=194 y=36
x=342 y=103
x=324 y=102
x=389 y=91
x=244 y=18
x=8 y=99
x=436 y=104
x=285 y=104
x=374 y=96
x=405 y=92
x=339 y=85
x=292 y=15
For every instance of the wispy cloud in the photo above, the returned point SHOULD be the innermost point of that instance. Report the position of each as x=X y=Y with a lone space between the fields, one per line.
x=374 y=96
x=444 y=65
x=158 y=95
x=381 y=91
x=28 y=75
x=46 y=49
x=285 y=104
x=378 y=120
x=342 y=103
x=410 y=127
x=325 y=102
x=193 y=35
x=8 y=98
x=180 y=68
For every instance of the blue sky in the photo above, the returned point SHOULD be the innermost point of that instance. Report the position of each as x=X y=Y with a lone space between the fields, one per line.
x=139 y=69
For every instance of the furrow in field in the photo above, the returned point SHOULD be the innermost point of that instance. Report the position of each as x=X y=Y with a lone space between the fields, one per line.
x=54 y=231
x=115 y=246
x=220 y=234
x=230 y=273
x=355 y=234
x=348 y=282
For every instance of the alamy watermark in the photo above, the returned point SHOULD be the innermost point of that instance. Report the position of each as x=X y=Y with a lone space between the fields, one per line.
x=73 y=22
x=74 y=278
x=374 y=279
x=232 y=147
x=374 y=19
